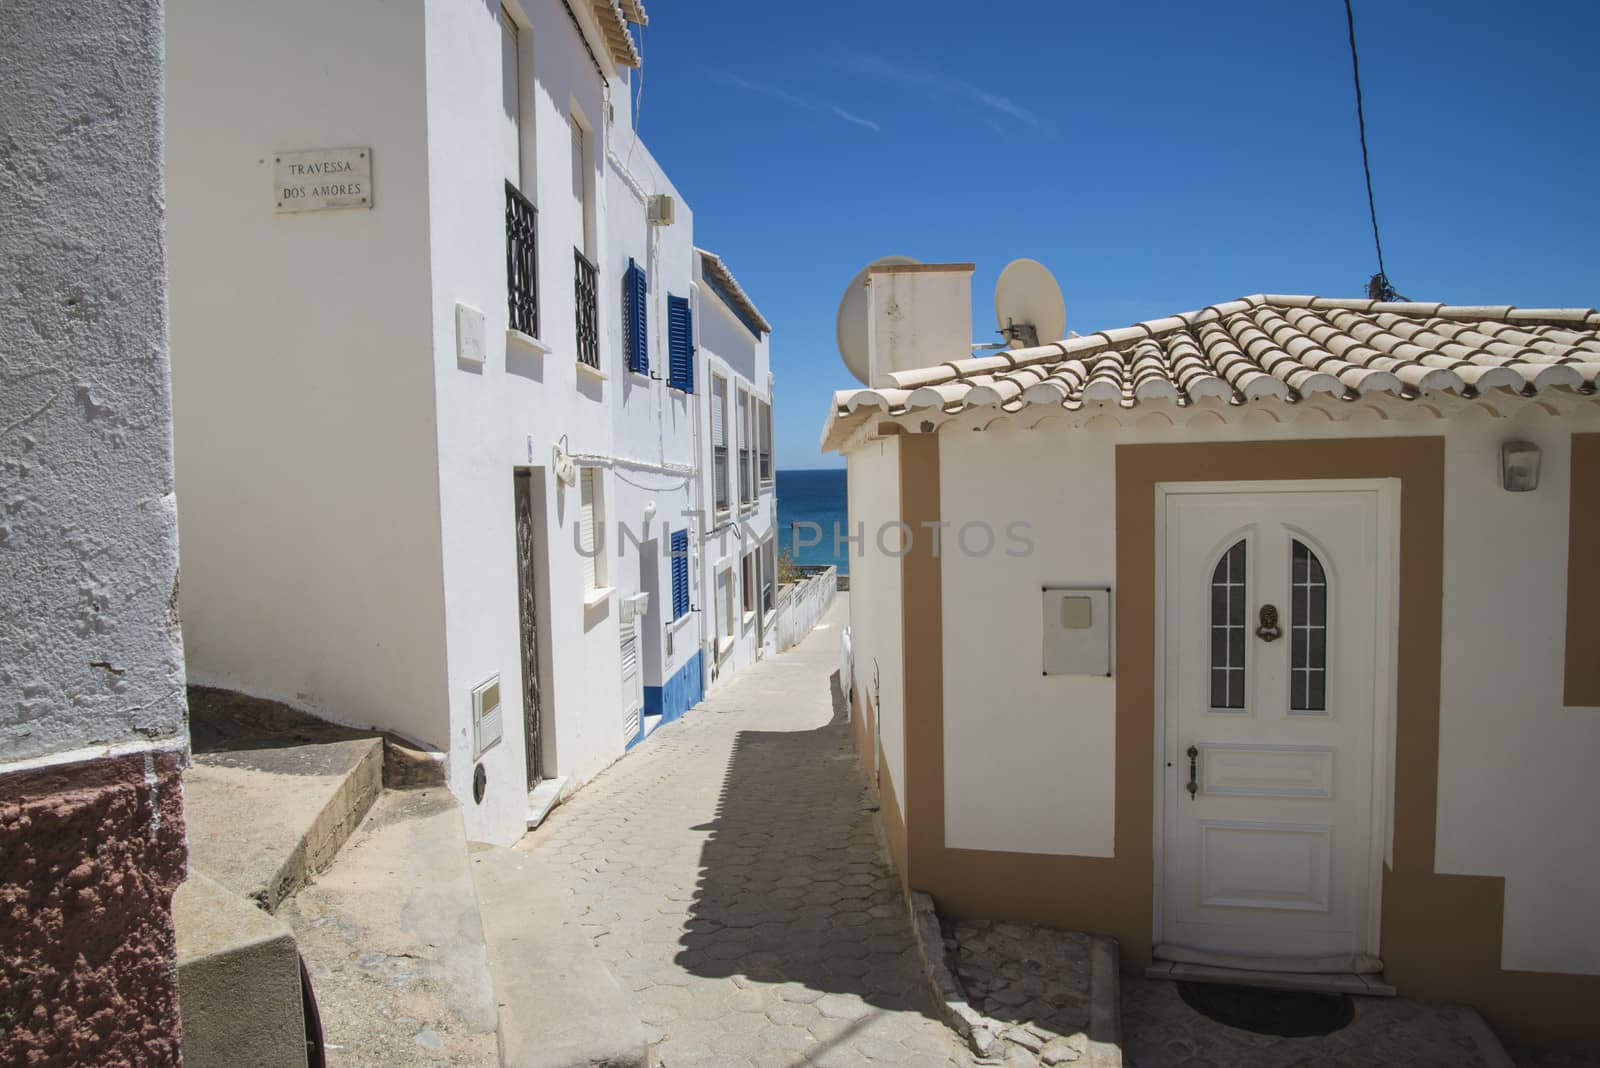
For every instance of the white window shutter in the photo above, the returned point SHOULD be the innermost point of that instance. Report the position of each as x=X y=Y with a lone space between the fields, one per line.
x=586 y=524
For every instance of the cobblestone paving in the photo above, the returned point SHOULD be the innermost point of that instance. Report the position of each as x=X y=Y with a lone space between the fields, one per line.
x=730 y=877
x=1160 y=1031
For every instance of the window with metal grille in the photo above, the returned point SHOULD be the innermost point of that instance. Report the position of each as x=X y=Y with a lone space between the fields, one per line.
x=719 y=442
x=1308 y=632
x=522 y=262
x=1228 y=629
x=680 y=344
x=680 y=574
x=635 y=318
x=586 y=291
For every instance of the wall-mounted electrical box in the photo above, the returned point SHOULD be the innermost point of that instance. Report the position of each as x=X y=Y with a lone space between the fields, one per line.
x=486 y=720
x=663 y=209
x=1077 y=630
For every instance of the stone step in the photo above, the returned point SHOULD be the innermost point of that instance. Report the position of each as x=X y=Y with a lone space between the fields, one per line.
x=238 y=981
x=558 y=1004
x=262 y=820
x=394 y=943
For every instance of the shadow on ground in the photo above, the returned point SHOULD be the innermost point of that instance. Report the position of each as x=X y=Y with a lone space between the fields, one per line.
x=795 y=886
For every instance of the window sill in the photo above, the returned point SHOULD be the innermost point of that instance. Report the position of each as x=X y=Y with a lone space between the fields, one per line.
x=527 y=343
x=747 y=509
x=676 y=625
x=597 y=596
x=724 y=647
x=592 y=372
x=749 y=617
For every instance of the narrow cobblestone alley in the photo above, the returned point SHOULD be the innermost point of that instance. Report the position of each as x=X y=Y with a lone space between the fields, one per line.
x=729 y=874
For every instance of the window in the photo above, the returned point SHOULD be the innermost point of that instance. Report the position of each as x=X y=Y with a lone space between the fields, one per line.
x=635 y=318
x=680 y=574
x=745 y=496
x=769 y=576
x=680 y=344
x=747 y=582
x=1308 y=632
x=1228 y=629
x=719 y=442
x=591 y=529
x=764 y=439
x=522 y=262
x=511 y=98
x=725 y=606
x=581 y=179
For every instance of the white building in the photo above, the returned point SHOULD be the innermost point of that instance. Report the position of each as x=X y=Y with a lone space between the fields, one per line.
x=1260 y=636
x=738 y=564
x=398 y=421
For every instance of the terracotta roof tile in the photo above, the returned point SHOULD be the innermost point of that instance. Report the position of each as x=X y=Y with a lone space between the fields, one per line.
x=1280 y=346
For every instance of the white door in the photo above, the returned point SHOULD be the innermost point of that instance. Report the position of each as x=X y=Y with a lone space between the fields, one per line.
x=1268 y=826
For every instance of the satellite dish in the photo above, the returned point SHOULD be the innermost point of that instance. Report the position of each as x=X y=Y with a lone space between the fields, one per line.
x=1027 y=305
x=850 y=326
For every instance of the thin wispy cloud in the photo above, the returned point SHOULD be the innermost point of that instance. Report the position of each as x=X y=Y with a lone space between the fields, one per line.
x=857 y=119
x=948 y=87
x=805 y=103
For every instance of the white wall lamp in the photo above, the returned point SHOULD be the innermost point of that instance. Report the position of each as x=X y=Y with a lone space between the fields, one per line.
x=1519 y=466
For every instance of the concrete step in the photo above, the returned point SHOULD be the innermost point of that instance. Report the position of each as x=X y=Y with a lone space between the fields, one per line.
x=273 y=792
x=262 y=820
x=394 y=943
x=543 y=799
x=558 y=1004
x=238 y=981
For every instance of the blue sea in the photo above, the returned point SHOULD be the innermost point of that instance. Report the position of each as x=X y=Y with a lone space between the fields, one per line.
x=818 y=497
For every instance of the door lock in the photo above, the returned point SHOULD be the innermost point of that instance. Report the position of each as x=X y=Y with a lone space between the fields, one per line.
x=1194 y=786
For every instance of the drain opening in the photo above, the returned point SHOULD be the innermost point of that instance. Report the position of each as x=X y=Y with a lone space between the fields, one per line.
x=1284 y=1013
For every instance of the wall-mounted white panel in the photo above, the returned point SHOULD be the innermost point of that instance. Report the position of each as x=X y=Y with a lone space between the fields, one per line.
x=1077 y=631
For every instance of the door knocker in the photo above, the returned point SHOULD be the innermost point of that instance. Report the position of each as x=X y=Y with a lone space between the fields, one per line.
x=1269 y=631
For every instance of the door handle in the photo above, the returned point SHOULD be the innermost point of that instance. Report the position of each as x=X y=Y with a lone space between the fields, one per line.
x=1194 y=785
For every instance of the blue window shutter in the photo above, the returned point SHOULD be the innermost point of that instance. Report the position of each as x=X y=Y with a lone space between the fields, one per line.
x=635 y=318
x=680 y=344
x=680 y=574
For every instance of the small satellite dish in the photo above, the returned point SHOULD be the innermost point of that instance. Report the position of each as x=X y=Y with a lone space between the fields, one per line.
x=1027 y=305
x=850 y=326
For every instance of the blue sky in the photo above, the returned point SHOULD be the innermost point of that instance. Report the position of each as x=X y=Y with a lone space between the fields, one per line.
x=1158 y=157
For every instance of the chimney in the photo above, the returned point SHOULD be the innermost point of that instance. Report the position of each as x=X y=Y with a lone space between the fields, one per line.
x=920 y=316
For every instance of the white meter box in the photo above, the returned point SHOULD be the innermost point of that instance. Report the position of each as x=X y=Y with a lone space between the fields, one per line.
x=1077 y=630
x=486 y=719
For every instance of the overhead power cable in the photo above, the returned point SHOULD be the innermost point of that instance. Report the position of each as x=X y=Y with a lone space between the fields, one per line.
x=1378 y=287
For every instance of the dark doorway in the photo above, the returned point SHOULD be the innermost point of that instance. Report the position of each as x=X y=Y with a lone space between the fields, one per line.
x=528 y=611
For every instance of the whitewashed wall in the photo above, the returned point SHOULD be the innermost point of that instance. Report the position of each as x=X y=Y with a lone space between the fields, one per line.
x=654 y=426
x=875 y=586
x=301 y=354
x=89 y=656
x=1516 y=767
x=1028 y=759
x=347 y=482
x=728 y=348
x=518 y=405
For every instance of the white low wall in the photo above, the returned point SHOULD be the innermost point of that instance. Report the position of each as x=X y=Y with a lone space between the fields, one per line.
x=801 y=604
